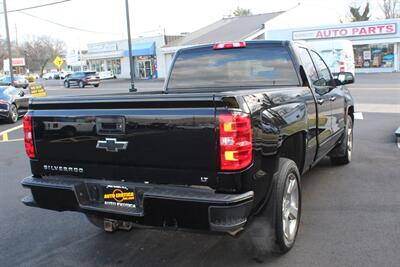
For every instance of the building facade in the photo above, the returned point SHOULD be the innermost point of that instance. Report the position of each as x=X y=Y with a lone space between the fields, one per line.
x=74 y=60
x=376 y=44
x=111 y=59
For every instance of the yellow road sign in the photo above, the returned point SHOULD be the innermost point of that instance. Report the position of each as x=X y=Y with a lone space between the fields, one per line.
x=58 y=62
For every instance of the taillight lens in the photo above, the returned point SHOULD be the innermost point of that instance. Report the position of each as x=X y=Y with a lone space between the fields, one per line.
x=235 y=141
x=28 y=136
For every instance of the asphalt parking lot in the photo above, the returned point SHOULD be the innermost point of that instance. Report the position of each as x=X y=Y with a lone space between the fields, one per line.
x=350 y=213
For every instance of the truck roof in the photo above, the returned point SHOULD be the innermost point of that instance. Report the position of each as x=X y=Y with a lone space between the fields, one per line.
x=253 y=42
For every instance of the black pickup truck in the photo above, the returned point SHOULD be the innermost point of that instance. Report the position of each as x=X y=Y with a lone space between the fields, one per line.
x=227 y=139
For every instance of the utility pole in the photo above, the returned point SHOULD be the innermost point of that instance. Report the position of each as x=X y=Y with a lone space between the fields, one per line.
x=132 y=88
x=8 y=42
x=16 y=35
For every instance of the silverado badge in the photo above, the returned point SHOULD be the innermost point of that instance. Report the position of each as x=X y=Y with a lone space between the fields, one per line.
x=112 y=145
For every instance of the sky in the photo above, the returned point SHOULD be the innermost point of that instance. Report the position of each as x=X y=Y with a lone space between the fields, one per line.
x=105 y=20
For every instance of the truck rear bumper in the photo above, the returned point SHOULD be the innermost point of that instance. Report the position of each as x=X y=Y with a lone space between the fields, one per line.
x=154 y=205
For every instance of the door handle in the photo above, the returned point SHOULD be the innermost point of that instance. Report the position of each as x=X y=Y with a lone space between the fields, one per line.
x=332 y=98
x=320 y=101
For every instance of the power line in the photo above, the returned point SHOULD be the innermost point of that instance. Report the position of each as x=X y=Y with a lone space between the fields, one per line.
x=33 y=7
x=65 y=26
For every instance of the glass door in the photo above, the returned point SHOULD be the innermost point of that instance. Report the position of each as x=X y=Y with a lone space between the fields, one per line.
x=142 y=74
x=148 y=69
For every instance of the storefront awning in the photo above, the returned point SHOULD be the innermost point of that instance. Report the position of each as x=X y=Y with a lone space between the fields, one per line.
x=142 y=49
x=103 y=55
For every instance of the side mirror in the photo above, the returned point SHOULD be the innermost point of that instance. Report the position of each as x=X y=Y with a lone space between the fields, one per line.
x=344 y=78
x=321 y=90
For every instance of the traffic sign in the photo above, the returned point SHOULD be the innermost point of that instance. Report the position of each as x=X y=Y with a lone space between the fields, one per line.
x=58 y=62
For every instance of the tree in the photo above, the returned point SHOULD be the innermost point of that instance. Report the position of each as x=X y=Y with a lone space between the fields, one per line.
x=41 y=51
x=3 y=52
x=15 y=51
x=355 y=14
x=38 y=52
x=241 y=12
x=391 y=9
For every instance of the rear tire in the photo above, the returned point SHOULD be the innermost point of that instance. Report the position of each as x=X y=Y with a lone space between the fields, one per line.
x=13 y=114
x=81 y=84
x=343 y=153
x=288 y=204
x=96 y=85
x=66 y=84
x=275 y=228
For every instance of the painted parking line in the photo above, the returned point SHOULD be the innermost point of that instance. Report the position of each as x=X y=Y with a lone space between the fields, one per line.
x=358 y=116
x=12 y=140
x=379 y=108
x=4 y=134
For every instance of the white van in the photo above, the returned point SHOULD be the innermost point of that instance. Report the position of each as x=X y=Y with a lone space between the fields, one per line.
x=337 y=54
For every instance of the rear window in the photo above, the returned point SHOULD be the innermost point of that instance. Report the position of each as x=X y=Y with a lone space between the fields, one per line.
x=90 y=73
x=242 y=67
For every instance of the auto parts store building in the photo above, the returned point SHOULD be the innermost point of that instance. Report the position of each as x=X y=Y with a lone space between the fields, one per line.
x=376 y=44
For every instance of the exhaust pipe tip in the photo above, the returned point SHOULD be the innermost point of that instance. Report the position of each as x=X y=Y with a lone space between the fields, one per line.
x=111 y=225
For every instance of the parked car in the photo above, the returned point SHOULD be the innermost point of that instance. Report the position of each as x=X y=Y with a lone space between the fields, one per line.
x=18 y=82
x=82 y=79
x=13 y=103
x=64 y=73
x=224 y=144
x=49 y=75
x=30 y=78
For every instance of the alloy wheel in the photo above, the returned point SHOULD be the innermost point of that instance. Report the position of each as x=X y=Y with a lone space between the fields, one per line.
x=290 y=208
x=14 y=113
x=349 y=141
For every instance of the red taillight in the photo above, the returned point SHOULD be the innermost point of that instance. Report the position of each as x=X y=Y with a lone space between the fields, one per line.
x=235 y=141
x=28 y=136
x=229 y=45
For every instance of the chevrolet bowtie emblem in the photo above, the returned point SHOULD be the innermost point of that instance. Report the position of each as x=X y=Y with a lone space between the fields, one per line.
x=112 y=145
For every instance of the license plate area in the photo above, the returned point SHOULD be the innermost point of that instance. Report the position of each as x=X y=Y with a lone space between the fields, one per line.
x=119 y=196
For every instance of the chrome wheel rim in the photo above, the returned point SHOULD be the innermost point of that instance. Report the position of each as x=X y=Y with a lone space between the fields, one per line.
x=290 y=208
x=14 y=114
x=349 y=141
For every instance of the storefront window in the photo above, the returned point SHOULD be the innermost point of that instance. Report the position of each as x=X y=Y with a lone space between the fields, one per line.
x=100 y=65
x=374 y=56
x=96 y=65
x=114 y=65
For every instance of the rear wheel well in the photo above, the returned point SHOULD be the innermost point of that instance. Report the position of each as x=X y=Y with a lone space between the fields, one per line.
x=293 y=148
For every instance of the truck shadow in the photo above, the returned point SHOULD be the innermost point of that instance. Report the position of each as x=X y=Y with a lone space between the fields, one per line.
x=168 y=248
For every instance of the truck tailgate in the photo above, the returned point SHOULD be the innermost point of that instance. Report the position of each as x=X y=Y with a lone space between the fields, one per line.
x=139 y=133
